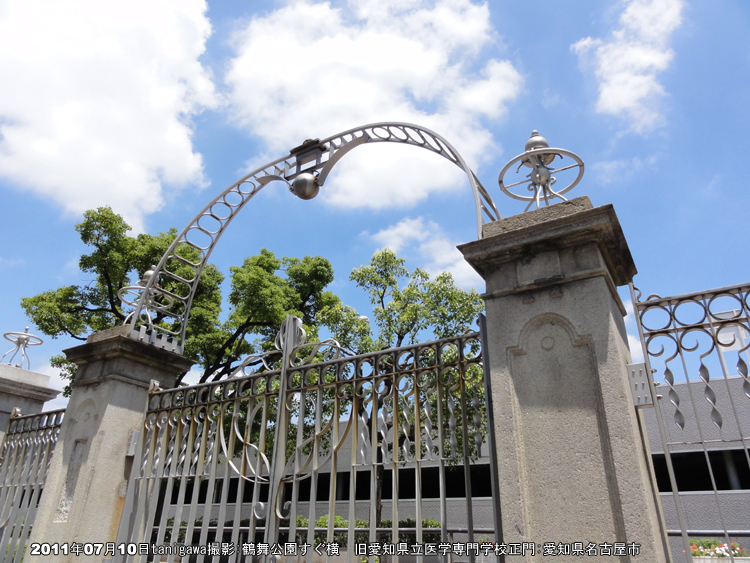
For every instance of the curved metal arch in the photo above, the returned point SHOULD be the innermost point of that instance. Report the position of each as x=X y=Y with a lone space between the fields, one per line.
x=204 y=231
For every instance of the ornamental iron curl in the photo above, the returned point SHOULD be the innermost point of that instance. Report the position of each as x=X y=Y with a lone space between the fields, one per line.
x=280 y=427
x=691 y=340
x=304 y=170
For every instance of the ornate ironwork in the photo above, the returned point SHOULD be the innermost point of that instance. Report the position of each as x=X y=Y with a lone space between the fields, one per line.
x=24 y=464
x=689 y=343
x=304 y=170
x=21 y=341
x=538 y=156
x=304 y=411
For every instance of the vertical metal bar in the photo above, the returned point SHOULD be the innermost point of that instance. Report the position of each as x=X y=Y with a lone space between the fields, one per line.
x=725 y=370
x=418 y=452
x=374 y=407
x=333 y=474
x=196 y=470
x=700 y=433
x=175 y=435
x=394 y=456
x=463 y=390
x=353 y=440
x=181 y=473
x=441 y=449
x=312 y=512
x=292 y=534
x=35 y=489
x=662 y=429
x=278 y=462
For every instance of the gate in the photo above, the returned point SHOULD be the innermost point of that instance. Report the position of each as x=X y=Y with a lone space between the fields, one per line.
x=307 y=452
x=696 y=346
x=24 y=463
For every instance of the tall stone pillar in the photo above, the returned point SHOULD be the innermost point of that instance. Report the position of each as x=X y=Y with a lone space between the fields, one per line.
x=573 y=464
x=87 y=481
x=22 y=389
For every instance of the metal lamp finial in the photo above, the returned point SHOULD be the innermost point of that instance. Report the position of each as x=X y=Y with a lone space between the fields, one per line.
x=538 y=156
x=21 y=341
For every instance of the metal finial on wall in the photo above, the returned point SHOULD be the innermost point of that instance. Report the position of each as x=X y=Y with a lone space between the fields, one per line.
x=21 y=340
x=538 y=156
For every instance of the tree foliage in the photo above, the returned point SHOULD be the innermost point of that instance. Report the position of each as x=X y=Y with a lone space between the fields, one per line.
x=263 y=291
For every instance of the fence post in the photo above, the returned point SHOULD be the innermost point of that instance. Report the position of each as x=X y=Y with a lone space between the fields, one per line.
x=572 y=462
x=86 y=485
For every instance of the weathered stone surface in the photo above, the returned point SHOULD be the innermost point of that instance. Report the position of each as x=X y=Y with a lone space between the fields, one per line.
x=85 y=489
x=572 y=462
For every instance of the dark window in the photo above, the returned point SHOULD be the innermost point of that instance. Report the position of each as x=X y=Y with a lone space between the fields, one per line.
x=324 y=486
x=342 y=486
x=362 y=485
x=407 y=485
x=729 y=467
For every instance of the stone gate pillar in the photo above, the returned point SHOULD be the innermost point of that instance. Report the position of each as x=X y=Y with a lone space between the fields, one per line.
x=87 y=481
x=22 y=389
x=573 y=464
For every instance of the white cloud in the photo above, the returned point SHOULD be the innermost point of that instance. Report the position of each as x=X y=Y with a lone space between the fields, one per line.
x=636 y=351
x=97 y=97
x=436 y=251
x=55 y=382
x=627 y=64
x=312 y=70
x=634 y=342
x=619 y=170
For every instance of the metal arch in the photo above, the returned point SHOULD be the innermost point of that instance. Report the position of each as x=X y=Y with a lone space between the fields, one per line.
x=209 y=224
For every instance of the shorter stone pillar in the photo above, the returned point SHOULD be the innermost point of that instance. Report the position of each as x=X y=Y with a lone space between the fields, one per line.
x=87 y=481
x=22 y=389
x=573 y=464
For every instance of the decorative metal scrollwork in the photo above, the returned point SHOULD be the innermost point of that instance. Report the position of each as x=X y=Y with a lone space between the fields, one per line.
x=169 y=289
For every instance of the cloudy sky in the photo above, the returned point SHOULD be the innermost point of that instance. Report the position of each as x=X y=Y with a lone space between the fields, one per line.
x=155 y=107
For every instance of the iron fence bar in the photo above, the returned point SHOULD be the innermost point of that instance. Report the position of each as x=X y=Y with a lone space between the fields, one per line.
x=374 y=449
x=441 y=449
x=211 y=484
x=35 y=491
x=184 y=435
x=662 y=429
x=394 y=454
x=354 y=416
x=418 y=456
x=26 y=458
x=699 y=426
x=169 y=438
x=725 y=371
x=462 y=392
x=312 y=520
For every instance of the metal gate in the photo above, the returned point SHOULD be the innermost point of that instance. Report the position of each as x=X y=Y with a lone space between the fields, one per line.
x=696 y=346
x=303 y=454
x=24 y=463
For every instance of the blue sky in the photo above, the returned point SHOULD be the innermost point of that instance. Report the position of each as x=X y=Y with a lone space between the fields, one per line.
x=155 y=107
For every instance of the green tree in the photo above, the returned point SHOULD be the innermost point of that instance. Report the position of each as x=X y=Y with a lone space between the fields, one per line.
x=407 y=307
x=259 y=299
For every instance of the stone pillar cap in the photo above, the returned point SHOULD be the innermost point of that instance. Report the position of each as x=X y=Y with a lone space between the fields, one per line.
x=558 y=226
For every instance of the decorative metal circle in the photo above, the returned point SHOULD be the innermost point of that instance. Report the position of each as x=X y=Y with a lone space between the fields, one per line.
x=540 y=180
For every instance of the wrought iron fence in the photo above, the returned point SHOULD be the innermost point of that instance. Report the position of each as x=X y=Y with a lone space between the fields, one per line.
x=243 y=462
x=24 y=463
x=696 y=345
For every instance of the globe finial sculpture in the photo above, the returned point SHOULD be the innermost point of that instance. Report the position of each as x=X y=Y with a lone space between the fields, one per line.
x=21 y=341
x=539 y=181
